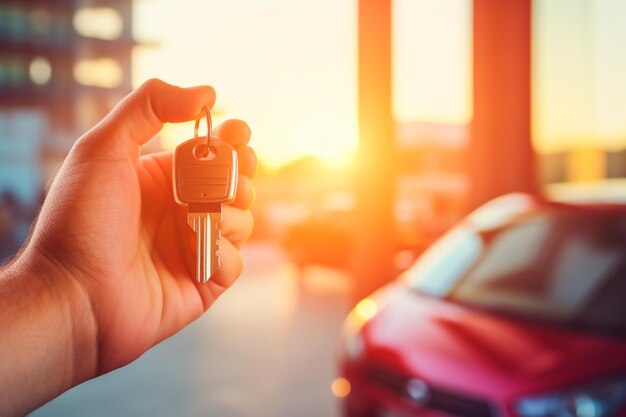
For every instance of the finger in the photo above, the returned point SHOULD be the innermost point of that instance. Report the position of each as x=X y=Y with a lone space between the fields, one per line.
x=141 y=114
x=236 y=225
x=236 y=132
x=247 y=160
x=245 y=193
x=155 y=174
x=225 y=276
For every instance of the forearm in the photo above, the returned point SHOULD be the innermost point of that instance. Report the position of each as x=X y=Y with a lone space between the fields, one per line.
x=46 y=335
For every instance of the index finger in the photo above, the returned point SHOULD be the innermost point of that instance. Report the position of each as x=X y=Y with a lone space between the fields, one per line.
x=141 y=114
x=236 y=132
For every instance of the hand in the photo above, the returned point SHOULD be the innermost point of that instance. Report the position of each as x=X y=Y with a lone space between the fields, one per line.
x=121 y=252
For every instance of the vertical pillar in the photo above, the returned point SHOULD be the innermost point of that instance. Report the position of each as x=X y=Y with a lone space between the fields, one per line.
x=375 y=185
x=501 y=154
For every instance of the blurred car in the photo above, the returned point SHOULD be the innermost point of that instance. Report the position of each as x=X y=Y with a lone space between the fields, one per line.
x=520 y=310
x=325 y=238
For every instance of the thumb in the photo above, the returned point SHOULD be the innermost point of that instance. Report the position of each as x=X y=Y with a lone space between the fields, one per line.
x=141 y=114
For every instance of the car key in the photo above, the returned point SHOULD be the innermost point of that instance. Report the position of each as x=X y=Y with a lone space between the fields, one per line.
x=204 y=178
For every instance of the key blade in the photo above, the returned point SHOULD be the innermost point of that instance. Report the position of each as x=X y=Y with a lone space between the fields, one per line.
x=207 y=237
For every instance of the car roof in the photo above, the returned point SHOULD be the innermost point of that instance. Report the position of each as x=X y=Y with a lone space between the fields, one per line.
x=597 y=199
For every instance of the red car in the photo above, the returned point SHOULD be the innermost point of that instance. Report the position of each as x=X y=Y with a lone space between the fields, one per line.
x=519 y=311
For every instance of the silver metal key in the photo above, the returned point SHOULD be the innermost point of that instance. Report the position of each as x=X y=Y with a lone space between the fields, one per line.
x=204 y=178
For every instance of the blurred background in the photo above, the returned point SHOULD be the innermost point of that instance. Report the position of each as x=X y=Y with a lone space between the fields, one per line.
x=378 y=125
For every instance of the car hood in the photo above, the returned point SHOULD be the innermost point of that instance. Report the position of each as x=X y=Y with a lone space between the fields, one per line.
x=453 y=344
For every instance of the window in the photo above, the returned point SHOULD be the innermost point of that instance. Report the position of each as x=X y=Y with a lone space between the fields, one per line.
x=579 y=88
x=101 y=22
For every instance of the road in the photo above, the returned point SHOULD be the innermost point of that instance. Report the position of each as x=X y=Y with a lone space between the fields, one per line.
x=266 y=348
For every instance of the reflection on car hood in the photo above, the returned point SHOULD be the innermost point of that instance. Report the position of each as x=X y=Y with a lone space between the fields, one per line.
x=446 y=343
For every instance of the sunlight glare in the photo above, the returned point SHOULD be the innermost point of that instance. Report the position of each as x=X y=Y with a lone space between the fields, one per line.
x=297 y=92
x=333 y=142
x=173 y=134
x=341 y=387
x=365 y=309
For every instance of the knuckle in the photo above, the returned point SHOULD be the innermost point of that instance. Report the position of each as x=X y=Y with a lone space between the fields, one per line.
x=151 y=85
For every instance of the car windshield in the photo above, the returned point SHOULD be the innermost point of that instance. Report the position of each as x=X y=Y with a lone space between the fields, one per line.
x=560 y=265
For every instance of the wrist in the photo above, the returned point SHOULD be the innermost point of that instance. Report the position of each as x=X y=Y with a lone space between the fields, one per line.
x=64 y=293
x=48 y=330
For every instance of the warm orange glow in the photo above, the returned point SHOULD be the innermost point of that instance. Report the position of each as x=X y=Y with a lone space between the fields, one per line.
x=404 y=259
x=365 y=310
x=432 y=48
x=340 y=387
x=361 y=314
x=297 y=92
x=578 y=75
x=103 y=72
x=333 y=143
x=586 y=165
x=173 y=134
x=99 y=22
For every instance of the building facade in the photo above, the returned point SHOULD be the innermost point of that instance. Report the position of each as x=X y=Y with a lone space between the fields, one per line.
x=63 y=65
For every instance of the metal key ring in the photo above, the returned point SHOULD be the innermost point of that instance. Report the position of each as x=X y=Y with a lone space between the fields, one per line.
x=209 y=127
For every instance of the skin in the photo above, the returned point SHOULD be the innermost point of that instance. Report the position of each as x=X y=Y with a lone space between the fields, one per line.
x=109 y=268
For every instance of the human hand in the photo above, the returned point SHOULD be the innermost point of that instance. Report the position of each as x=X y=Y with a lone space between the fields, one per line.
x=116 y=248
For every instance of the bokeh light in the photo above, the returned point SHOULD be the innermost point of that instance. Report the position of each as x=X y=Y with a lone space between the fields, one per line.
x=40 y=70
x=365 y=309
x=340 y=387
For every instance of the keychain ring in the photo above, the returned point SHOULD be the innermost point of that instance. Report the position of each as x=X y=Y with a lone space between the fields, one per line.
x=209 y=126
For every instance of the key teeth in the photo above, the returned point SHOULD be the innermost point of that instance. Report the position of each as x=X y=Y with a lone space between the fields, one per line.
x=215 y=223
x=218 y=230
x=210 y=223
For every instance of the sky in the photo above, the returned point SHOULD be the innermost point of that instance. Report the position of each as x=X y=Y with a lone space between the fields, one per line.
x=284 y=66
x=289 y=68
x=432 y=60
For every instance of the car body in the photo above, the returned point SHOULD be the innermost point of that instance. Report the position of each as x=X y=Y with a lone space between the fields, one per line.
x=520 y=310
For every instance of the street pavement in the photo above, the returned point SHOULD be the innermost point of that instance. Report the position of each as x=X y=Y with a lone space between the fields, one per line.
x=266 y=348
